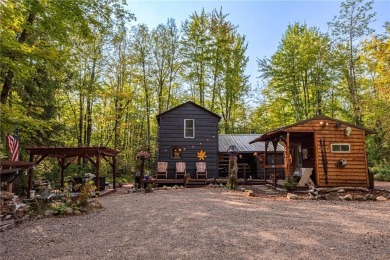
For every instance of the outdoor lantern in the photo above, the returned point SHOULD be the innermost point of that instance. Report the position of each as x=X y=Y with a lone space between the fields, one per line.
x=232 y=150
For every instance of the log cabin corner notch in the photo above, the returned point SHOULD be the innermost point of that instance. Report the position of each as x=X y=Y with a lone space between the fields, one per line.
x=336 y=150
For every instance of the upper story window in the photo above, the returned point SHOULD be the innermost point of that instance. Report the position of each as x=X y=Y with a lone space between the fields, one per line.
x=341 y=148
x=189 y=128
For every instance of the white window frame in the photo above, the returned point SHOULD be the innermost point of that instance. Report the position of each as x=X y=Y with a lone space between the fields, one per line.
x=185 y=128
x=340 y=144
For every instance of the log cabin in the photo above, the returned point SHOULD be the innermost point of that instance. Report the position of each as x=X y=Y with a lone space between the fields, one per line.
x=335 y=150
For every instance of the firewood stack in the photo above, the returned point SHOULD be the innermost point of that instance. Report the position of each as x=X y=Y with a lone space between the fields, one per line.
x=11 y=211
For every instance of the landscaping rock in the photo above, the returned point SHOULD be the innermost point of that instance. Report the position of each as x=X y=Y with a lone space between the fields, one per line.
x=242 y=189
x=381 y=198
x=346 y=197
x=370 y=197
x=250 y=193
x=69 y=211
x=77 y=212
x=332 y=196
x=313 y=191
x=292 y=196
x=49 y=212
x=321 y=197
x=359 y=198
x=96 y=204
x=341 y=191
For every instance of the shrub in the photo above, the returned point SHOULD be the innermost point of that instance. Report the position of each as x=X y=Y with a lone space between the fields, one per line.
x=381 y=173
x=289 y=183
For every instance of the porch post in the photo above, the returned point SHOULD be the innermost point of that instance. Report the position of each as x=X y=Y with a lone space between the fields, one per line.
x=275 y=145
x=287 y=166
x=265 y=161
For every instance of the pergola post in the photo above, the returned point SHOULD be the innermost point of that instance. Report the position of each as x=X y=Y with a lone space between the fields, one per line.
x=114 y=172
x=29 y=178
x=62 y=166
x=97 y=168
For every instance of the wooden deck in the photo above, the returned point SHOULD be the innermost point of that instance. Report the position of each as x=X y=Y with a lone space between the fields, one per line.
x=202 y=182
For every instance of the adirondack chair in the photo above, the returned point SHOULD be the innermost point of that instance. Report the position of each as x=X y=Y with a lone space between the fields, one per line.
x=201 y=170
x=162 y=170
x=181 y=169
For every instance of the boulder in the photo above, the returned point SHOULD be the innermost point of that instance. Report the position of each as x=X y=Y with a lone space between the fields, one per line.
x=49 y=212
x=321 y=197
x=346 y=197
x=313 y=191
x=381 y=198
x=292 y=196
x=360 y=198
x=250 y=193
x=69 y=211
x=96 y=204
x=370 y=197
x=77 y=212
x=241 y=189
x=332 y=196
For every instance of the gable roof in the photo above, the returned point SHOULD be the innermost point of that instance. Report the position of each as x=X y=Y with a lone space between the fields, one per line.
x=186 y=103
x=284 y=129
x=241 y=141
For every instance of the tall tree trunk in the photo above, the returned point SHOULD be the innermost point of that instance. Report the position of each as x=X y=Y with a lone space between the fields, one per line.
x=10 y=74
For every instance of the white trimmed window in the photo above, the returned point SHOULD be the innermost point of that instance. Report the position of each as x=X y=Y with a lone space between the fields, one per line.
x=341 y=148
x=189 y=128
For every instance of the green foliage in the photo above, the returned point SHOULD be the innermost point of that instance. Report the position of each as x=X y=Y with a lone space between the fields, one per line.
x=382 y=172
x=86 y=191
x=298 y=77
x=59 y=208
x=290 y=184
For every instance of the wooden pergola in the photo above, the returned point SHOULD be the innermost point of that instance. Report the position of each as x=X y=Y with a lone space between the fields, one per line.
x=67 y=155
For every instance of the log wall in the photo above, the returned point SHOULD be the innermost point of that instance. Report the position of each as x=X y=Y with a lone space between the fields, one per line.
x=355 y=172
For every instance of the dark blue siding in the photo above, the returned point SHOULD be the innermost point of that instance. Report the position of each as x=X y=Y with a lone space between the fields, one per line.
x=171 y=133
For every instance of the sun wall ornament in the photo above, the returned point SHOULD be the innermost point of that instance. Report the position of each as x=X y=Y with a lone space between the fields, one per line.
x=201 y=155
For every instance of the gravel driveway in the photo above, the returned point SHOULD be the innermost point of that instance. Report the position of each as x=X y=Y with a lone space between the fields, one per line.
x=207 y=223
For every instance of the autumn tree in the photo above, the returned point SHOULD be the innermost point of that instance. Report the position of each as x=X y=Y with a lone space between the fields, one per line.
x=349 y=28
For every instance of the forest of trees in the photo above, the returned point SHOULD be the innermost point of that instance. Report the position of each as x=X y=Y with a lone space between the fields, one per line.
x=83 y=73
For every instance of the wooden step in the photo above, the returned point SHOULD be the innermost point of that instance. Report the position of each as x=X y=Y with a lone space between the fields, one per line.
x=194 y=183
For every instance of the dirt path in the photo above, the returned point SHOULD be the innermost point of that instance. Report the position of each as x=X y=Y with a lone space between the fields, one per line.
x=208 y=223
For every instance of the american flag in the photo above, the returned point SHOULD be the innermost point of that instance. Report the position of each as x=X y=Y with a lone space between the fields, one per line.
x=13 y=144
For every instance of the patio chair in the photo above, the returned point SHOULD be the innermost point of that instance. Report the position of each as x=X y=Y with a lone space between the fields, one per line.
x=181 y=169
x=162 y=170
x=201 y=170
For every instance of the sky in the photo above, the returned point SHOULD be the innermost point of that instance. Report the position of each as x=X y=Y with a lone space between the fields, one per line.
x=262 y=22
